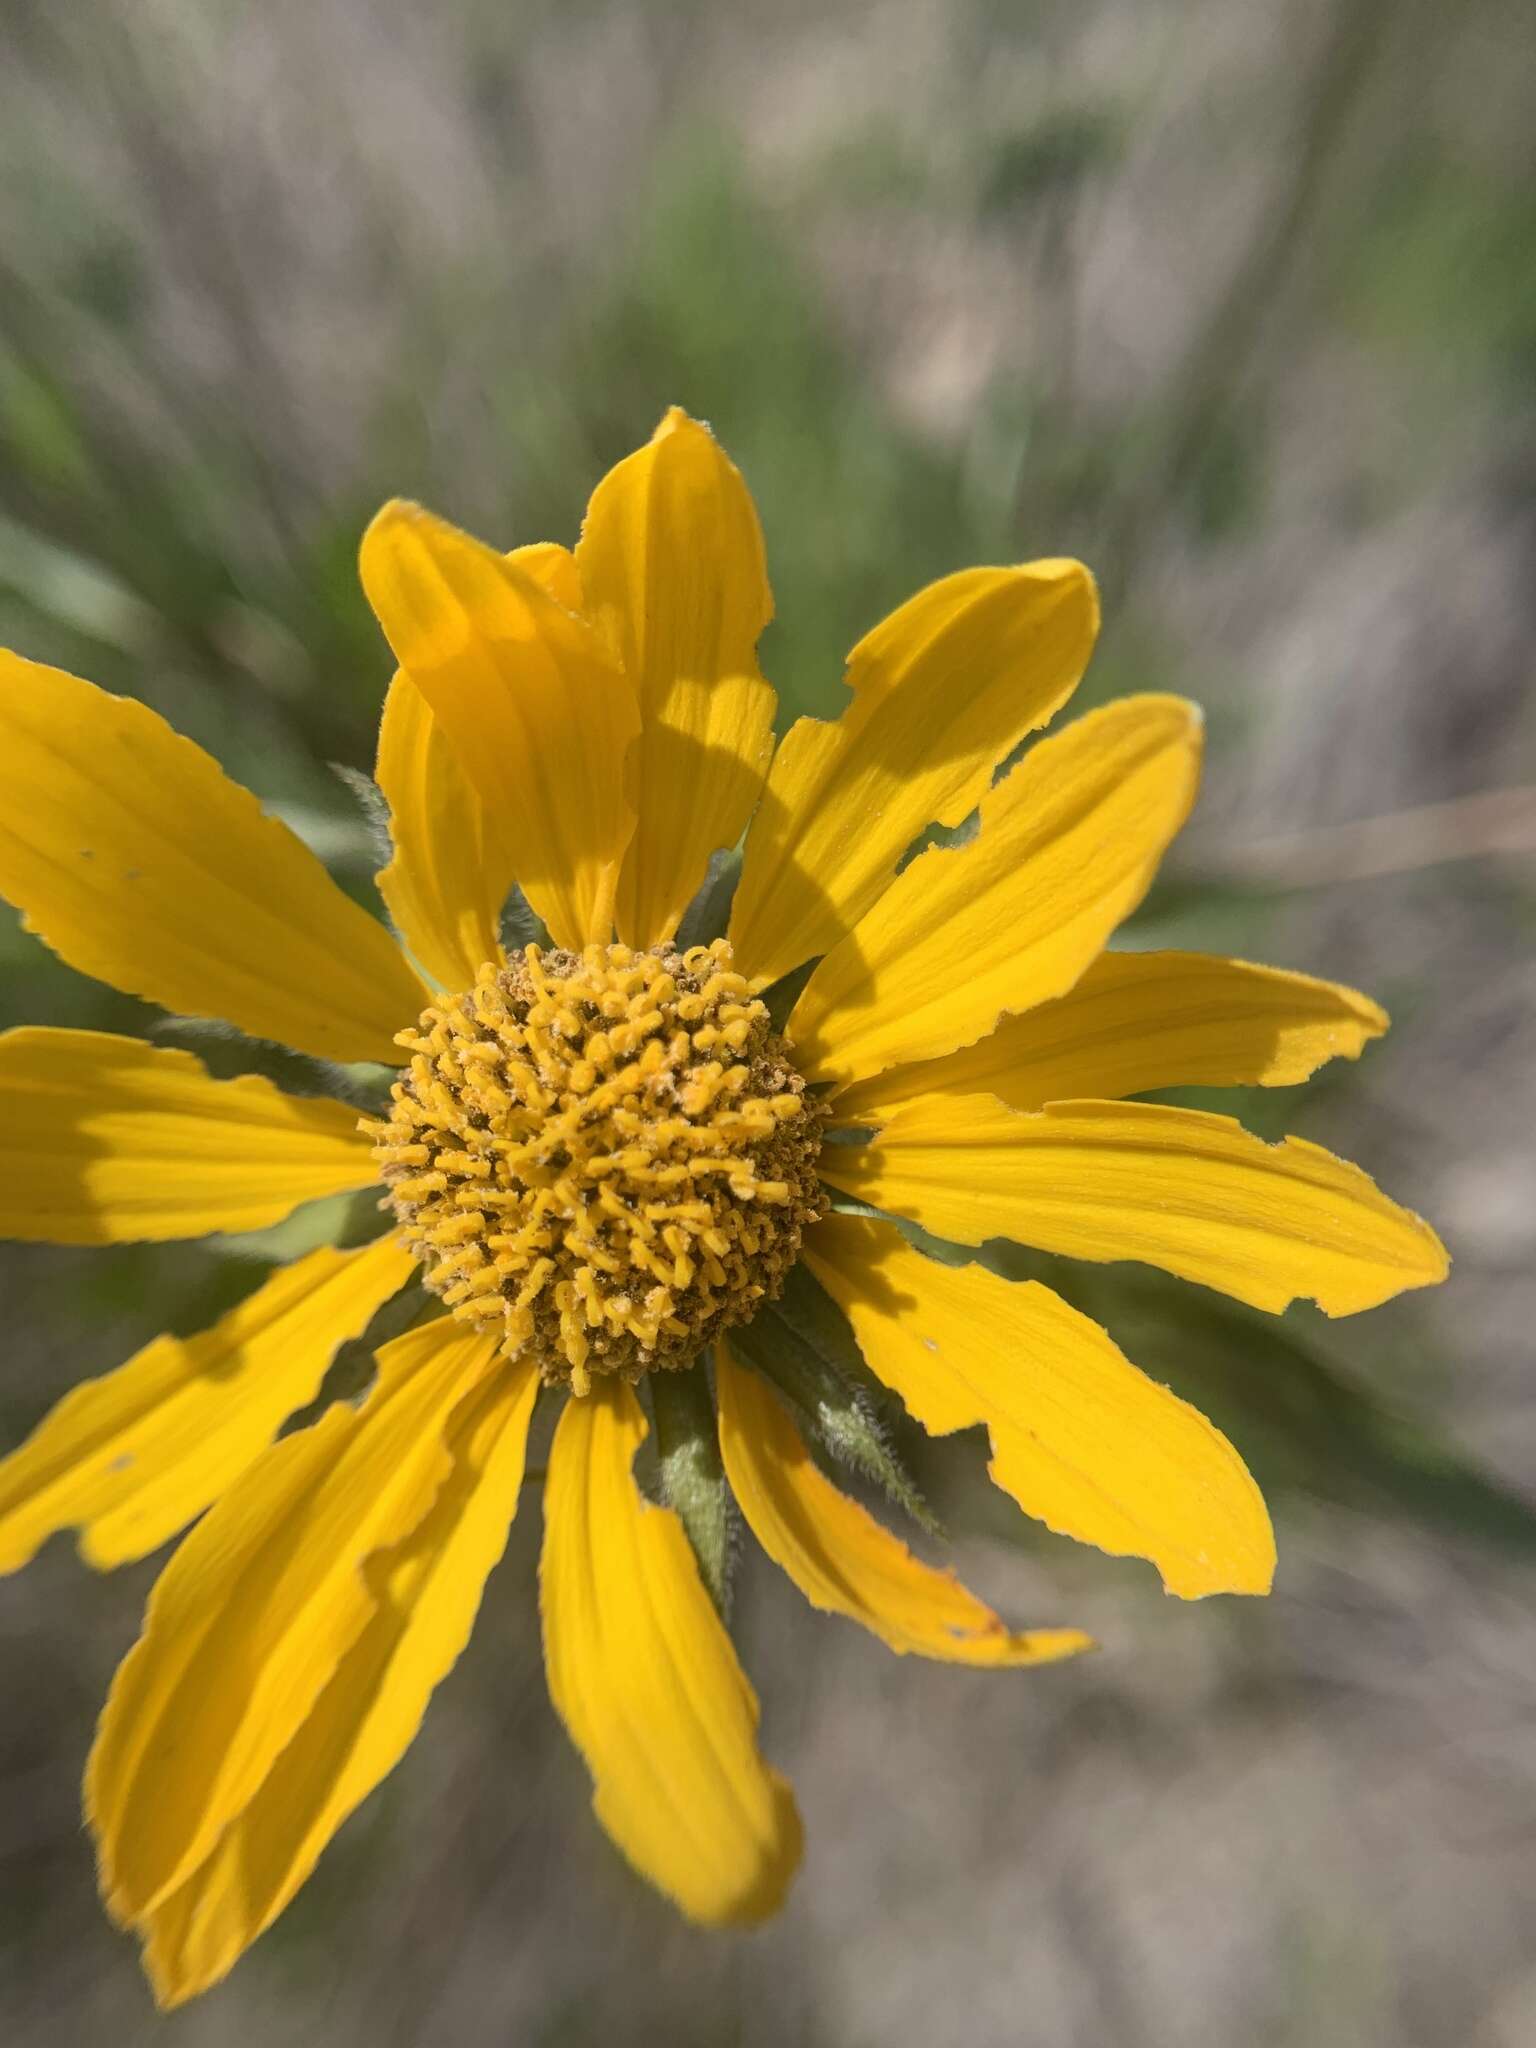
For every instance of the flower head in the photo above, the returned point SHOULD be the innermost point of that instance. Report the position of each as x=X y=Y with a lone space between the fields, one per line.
x=642 y=1157
x=606 y=1160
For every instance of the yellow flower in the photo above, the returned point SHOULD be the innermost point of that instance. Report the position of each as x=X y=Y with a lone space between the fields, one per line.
x=605 y=1159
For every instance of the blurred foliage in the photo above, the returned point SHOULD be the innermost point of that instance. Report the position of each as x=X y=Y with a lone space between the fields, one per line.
x=1054 y=156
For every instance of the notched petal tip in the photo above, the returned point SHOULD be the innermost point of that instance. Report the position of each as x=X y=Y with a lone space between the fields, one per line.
x=1434 y=1267
x=1075 y=578
x=1193 y=714
x=168 y=1993
x=678 y=420
x=396 y=509
x=765 y=1898
x=1057 y=1645
x=1439 y=1251
x=395 y=518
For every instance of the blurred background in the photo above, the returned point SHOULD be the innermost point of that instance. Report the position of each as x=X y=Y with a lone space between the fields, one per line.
x=1234 y=298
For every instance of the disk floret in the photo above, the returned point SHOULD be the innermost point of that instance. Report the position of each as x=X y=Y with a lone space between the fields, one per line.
x=606 y=1158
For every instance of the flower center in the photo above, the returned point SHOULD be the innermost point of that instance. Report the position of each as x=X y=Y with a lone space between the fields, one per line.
x=606 y=1157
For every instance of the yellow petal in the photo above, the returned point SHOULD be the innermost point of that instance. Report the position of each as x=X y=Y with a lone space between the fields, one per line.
x=426 y=1593
x=106 y=1140
x=253 y=1614
x=1080 y=1439
x=554 y=569
x=1177 y=1188
x=1138 y=1021
x=672 y=570
x=455 y=861
x=540 y=718
x=643 y=1675
x=841 y=1558
x=136 y=858
x=943 y=690
x=1068 y=843
x=131 y=1458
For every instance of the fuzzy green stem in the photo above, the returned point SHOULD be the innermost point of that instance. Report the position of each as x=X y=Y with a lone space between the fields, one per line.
x=692 y=1476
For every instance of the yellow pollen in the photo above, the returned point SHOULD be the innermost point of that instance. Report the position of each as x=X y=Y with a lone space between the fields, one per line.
x=606 y=1157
